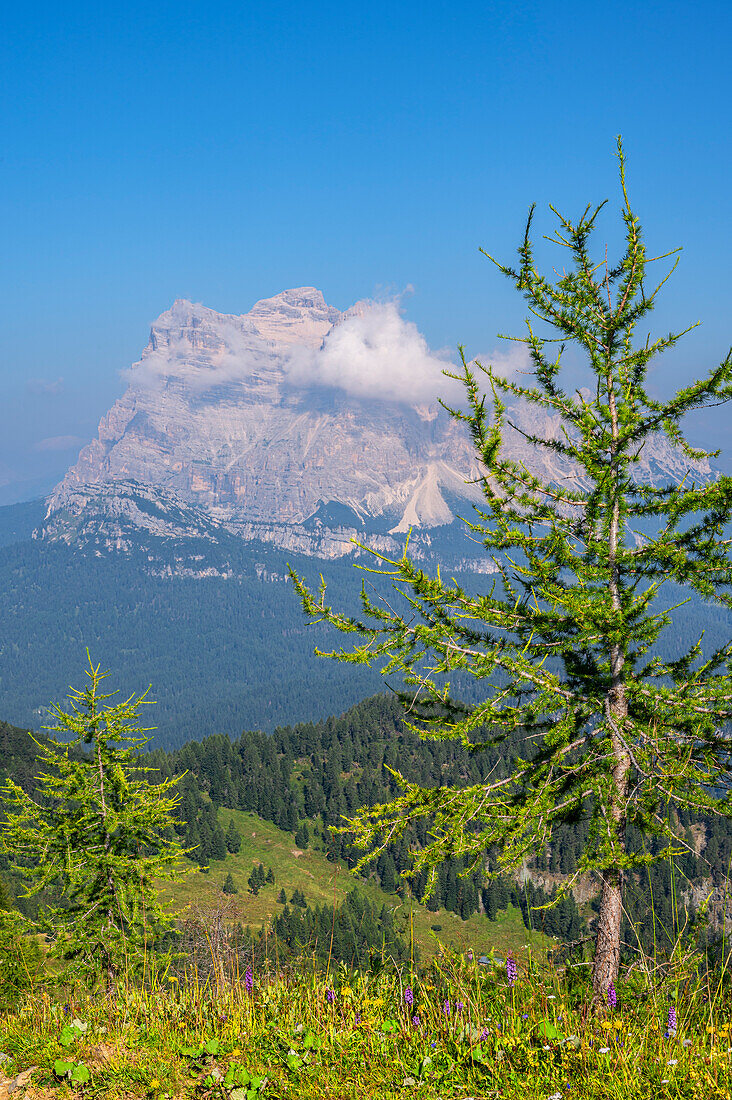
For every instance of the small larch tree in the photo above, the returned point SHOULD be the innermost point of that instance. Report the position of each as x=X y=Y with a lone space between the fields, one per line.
x=233 y=838
x=96 y=835
x=229 y=886
x=564 y=638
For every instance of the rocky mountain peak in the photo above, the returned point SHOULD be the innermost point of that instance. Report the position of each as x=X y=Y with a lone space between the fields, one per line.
x=215 y=415
x=299 y=316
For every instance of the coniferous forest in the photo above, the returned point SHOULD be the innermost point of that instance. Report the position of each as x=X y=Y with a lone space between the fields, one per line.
x=550 y=776
x=221 y=654
x=307 y=778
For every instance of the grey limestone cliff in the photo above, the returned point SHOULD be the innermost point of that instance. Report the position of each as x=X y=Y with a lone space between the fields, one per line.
x=214 y=420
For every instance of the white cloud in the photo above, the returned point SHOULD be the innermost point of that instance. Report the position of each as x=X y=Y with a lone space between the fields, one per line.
x=375 y=353
x=59 y=443
x=43 y=386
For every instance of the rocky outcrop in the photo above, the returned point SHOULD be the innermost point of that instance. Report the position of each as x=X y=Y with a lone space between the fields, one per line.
x=215 y=420
x=210 y=414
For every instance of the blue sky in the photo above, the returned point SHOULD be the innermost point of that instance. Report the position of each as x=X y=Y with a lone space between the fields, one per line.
x=224 y=152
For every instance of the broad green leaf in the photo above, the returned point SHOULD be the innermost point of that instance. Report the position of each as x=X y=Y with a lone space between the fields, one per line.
x=67 y=1036
x=549 y=1031
x=425 y=1066
x=80 y=1074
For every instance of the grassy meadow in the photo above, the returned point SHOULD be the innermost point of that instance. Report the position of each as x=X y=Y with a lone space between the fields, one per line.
x=457 y=1029
x=323 y=882
x=451 y=1026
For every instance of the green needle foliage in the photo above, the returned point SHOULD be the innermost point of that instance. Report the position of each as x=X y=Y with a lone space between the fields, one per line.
x=20 y=955
x=96 y=835
x=564 y=640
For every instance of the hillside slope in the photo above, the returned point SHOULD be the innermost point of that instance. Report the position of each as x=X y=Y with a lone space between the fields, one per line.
x=324 y=883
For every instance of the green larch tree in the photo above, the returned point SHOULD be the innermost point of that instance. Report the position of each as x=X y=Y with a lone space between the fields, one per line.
x=97 y=835
x=229 y=886
x=233 y=838
x=564 y=637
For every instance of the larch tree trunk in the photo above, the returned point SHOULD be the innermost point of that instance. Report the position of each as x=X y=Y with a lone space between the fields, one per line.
x=606 y=962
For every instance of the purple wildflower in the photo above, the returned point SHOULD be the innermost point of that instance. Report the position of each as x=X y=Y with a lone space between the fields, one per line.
x=511 y=970
x=415 y=1021
x=484 y=1034
x=330 y=996
x=612 y=997
x=671 y=1025
x=248 y=979
x=357 y=1019
x=408 y=996
x=459 y=1006
x=446 y=1008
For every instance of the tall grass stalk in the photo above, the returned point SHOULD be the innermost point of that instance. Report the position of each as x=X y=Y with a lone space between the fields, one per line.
x=529 y=1041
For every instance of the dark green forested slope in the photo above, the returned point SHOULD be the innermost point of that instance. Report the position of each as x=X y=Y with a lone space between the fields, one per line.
x=19 y=521
x=221 y=654
x=304 y=777
x=17 y=756
x=318 y=771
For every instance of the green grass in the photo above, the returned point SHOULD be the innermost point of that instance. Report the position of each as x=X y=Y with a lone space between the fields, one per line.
x=287 y=1041
x=322 y=882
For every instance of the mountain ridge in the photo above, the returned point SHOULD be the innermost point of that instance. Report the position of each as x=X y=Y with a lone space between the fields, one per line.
x=250 y=425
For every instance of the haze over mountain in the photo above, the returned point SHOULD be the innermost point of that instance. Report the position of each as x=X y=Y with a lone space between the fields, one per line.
x=294 y=423
x=244 y=444
x=254 y=420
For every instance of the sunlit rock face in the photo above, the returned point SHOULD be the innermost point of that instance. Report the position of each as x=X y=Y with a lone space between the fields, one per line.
x=210 y=413
x=216 y=420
